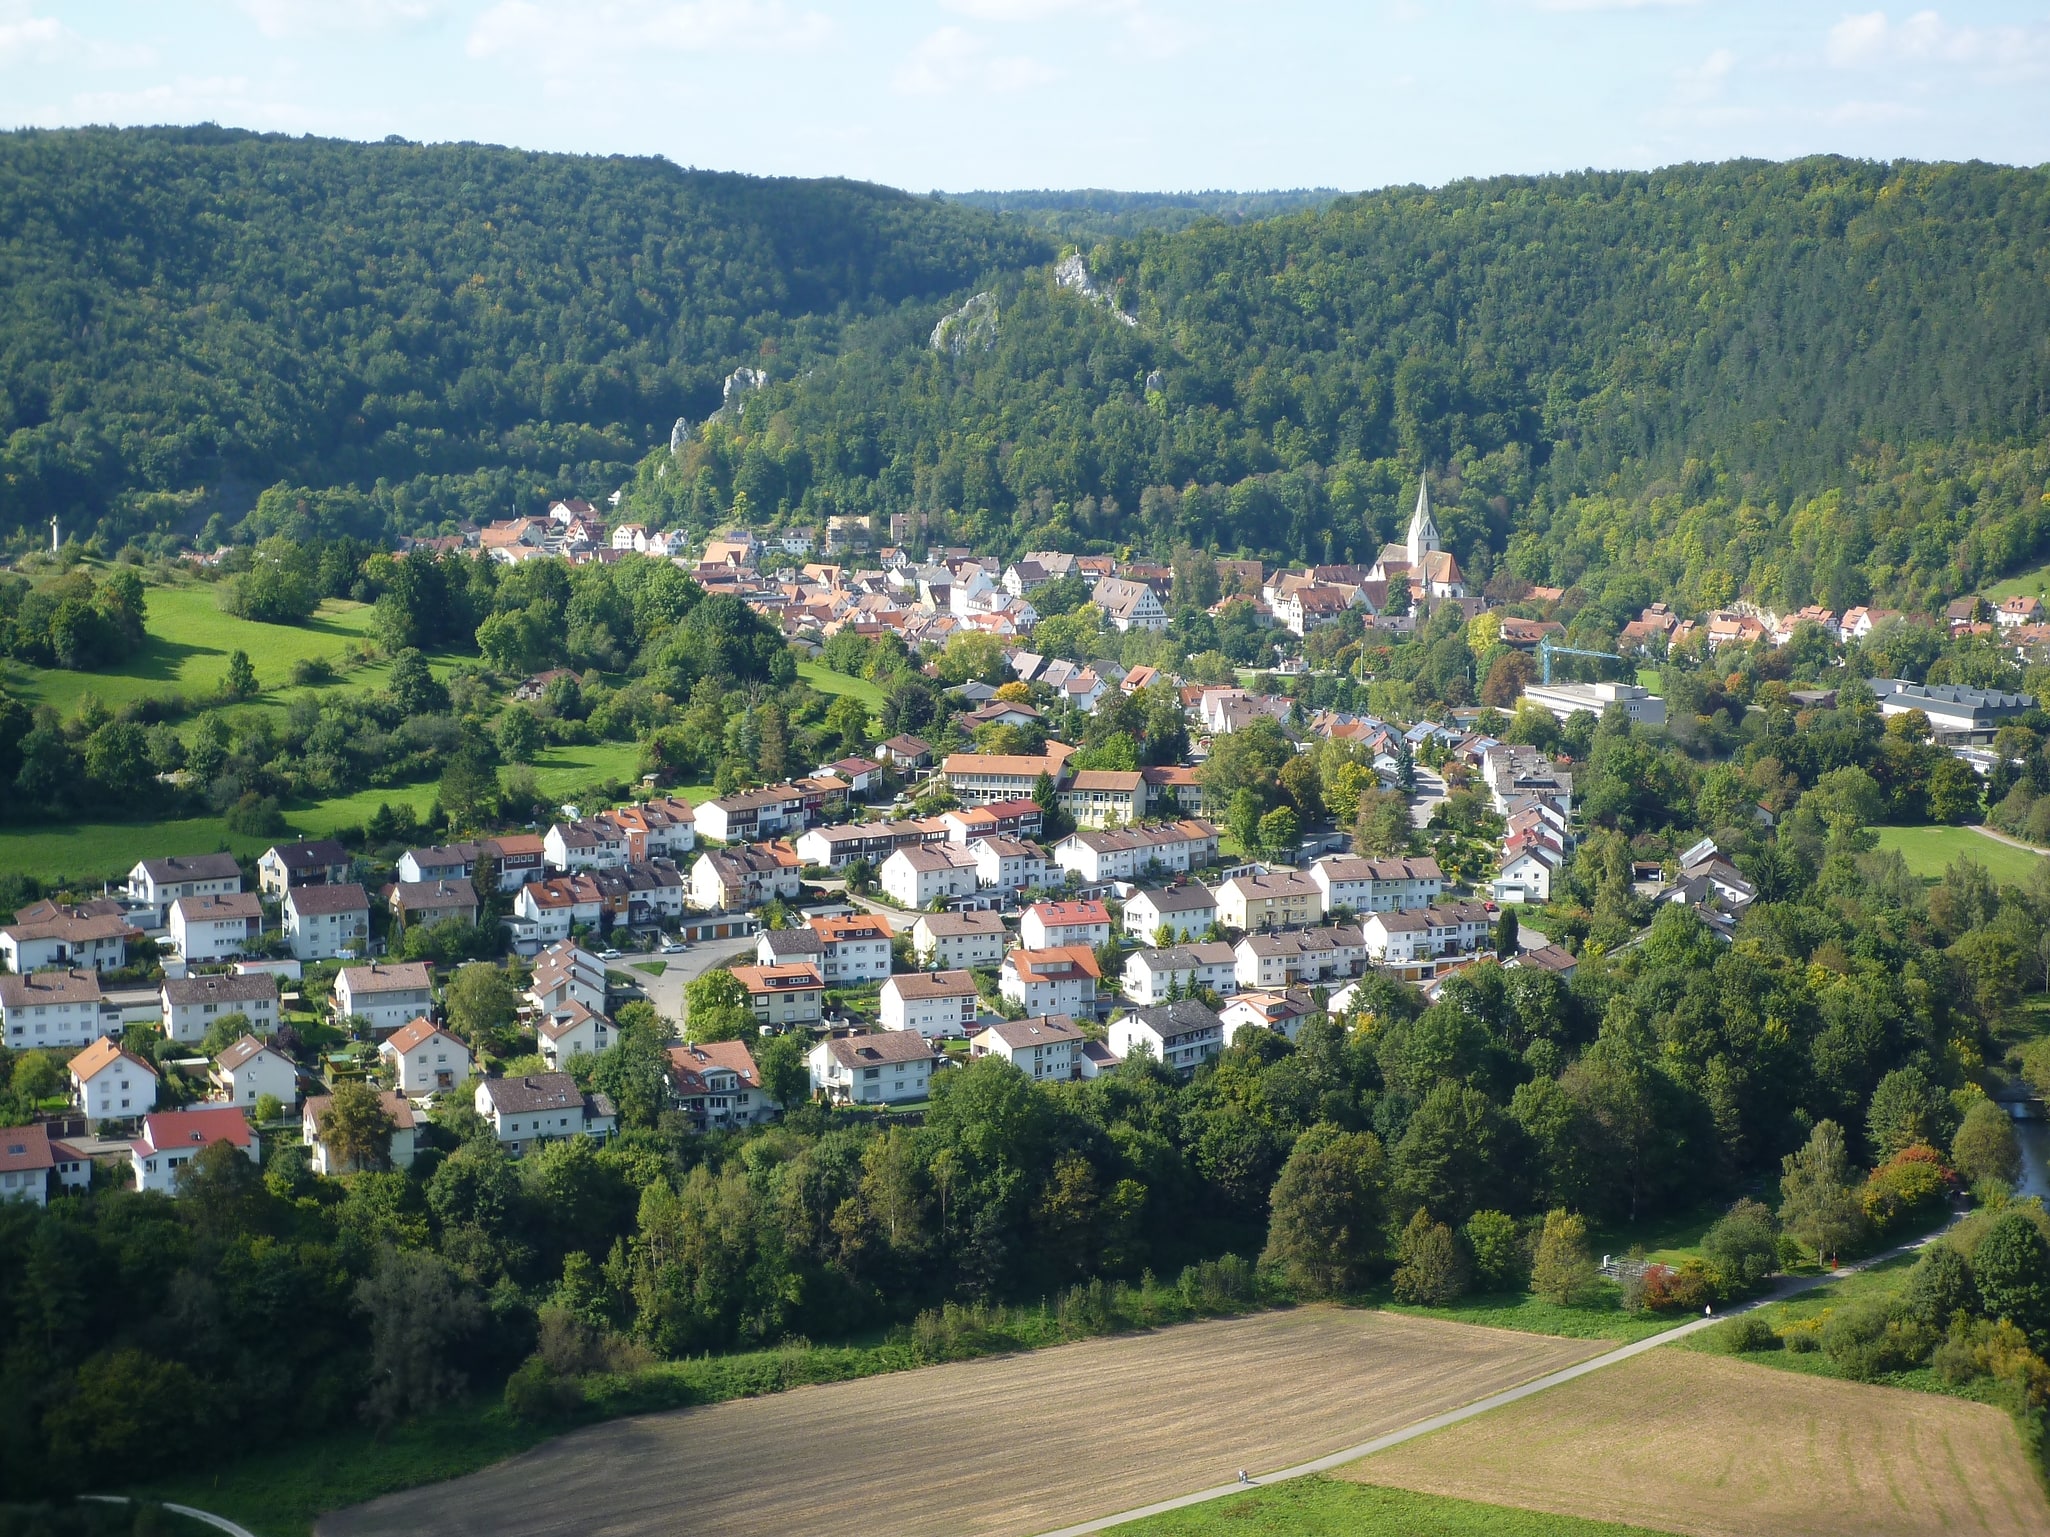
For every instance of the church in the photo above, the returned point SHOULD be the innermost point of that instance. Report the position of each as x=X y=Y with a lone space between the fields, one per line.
x=1432 y=571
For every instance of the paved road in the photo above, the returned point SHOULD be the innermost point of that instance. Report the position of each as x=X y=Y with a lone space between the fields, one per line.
x=666 y=991
x=1789 y=1287
x=2001 y=837
x=1430 y=792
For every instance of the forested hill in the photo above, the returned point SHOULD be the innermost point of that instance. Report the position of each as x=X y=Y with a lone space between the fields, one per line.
x=184 y=307
x=1661 y=371
x=1084 y=216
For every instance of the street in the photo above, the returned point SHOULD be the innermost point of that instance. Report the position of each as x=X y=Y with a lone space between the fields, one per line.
x=665 y=992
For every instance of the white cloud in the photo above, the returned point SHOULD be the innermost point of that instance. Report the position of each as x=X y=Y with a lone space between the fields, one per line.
x=1872 y=39
x=560 y=34
x=196 y=98
x=22 y=34
x=1150 y=32
x=288 y=18
x=954 y=59
x=1706 y=81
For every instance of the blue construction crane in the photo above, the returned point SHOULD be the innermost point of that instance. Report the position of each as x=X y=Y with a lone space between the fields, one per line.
x=1546 y=651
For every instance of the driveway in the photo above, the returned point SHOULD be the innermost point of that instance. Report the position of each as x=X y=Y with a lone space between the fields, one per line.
x=1430 y=790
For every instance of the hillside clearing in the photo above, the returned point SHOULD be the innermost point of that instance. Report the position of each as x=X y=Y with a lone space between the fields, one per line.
x=1009 y=1445
x=1711 y=1447
x=827 y=681
x=1929 y=850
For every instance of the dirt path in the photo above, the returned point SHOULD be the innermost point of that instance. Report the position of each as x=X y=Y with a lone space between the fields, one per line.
x=1710 y=1447
x=998 y=1448
x=2013 y=843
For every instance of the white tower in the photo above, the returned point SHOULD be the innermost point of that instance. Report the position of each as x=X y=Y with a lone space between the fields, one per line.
x=1423 y=533
x=53 y=536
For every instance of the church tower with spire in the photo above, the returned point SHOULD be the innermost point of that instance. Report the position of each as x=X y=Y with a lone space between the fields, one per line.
x=1423 y=533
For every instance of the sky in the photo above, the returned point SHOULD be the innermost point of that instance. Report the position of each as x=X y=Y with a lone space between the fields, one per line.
x=1168 y=95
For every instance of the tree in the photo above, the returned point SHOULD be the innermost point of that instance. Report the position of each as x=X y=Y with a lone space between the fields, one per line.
x=519 y=734
x=715 y=1008
x=1501 y=1263
x=1986 y=1146
x=1328 y=1209
x=634 y=1071
x=1742 y=1247
x=482 y=1003
x=414 y=687
x=1430 y=1269
x=117 y=758
x=279 y=587
x=847 y=718
x=1384 y=828
x=224 y=1032
x=1507 y=928
x=240 y=682
x=1906 y=1108
x=1817 y=1202
x=785 y=1073
x=1940 y=1287
x=357 y=1128
x=421 y=1317
x=1280 y=830
x=2012 y=1269
x=1563 y=1270
x=1954 y=792
x=469 y=787
x=1243 y=820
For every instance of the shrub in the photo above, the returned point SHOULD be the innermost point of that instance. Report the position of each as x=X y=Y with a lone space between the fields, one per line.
x=536 y=1394
x=1744 y=1334
x=1866 y=1339
x=1430 y=1268
x=312 y=671
x=1802 y=1337
x=1940 y=1286
x=1501 y=1259
x=1684 y=1290
x=1912 y=1184
x=1563 y=1271
x=1994 y=1348
x=1742 y=1248
x=1986 y=1147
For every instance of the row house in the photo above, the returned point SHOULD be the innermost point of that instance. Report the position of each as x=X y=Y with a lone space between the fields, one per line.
x=1170 y=914
x=1278 y=900
x=1104 y=797
x=566 y=973
x=932 y=1003
x=834 y=848
x=736 y=879
x=958 y=940
x=1283 y=1013
x=1129 y=853
x=426 y=903
x=449 y=862
x=640 y=894
x=1049 y=925
x=783 y=996
x=155 y=884
x=594 y=843
x=1377 y=885
x=927 y=872
x=662 y=828
x=717 y=1085
x=1160 y=975
x=424 y=1058
x=888 y=1067
x=1300 y=957
x=1008 y=864
x=1181 y=1035
x=548 y=911
x=999 y=819
x=512 y=859
x=1171 y=785
x=1411 y=944
x=91 y=935
x=979 y=779
x=751 y=816
x=192 y=1004
x=1061 y=980
x=323 y=862
x=1046 y=1047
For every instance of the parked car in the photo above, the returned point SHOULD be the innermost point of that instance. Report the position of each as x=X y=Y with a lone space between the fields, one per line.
x=608 y=955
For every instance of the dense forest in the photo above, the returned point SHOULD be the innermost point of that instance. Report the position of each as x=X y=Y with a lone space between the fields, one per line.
x=1085 y=215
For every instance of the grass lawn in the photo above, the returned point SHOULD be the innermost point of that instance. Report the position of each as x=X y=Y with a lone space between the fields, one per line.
x=1329 y=1507
x=651 y=968
x=826 y=681
x=2022 y=584
x=85 y=853
x=1928 y=850
x=1648 y=678
x=1602 y=1320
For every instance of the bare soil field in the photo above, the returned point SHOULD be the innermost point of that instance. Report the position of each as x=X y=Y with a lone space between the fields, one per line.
x=1710 y=1447
x=1011 y=1445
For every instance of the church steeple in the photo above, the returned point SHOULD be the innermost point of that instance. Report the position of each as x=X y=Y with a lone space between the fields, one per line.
x=1423 y=533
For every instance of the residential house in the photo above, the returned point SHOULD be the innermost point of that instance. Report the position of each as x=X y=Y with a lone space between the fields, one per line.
x=211 y=928
x=834 y=848
x=933 y=1003
x=452 y=862
x=1180 y=1035
x=425 y=1058
x=1283 y=900
x=790 y=947
x=736 y=879
x=1526 y=874
x=49 y=935
x=1376 y=885
x=1008 y=864
x=108 y=1083
x=527 y=1111
x=1104 y=797
x=1170 y=913
x=1410 y=944
x=916 y=876
x=384 y=995
x=855 y=949
x=1160 y=974
x=958 y=939
x=1059 y=980
x=513 y=858
x=1173 y=791
x=661 y=828
x=1559 y=962
x=783 y=996
x=1271 y=961
x=46 y=1010
x=906 y=752
x=999 y=819
x=322 y=922
x=546 y=912
x=564 y=973
x=282 y=866
x=1047 y=925
x=171 y=1138
x=156 y=883
x=1046 y=1047
x=1279 y=1012
x=29 y=1155
x=403 y=1133
x=427 y=903
x=570 y=1029
x=592 y=843
x=977 y=779
x=750 y=816
x=888 y=1068
x=1131 y=853
x=192 y=1004
x=717 y=1085
x=1129 y=605
x=250 y=1069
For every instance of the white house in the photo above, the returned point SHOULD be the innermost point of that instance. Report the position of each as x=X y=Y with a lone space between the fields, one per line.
x=1181 y=1035
x=734 y=880
x=1173 y=913
x=565 y=973
x=170 y=1138
x=1282 y=900
x=853 y=949
x=1130 y=853
x=384 y=994
x=192 y=1004
x=425 y=1058
x=783 y=996
x=157 y=883
x=717 y=1085
x=252 y=1068
x=1057 y=981
x=937 y=1003
x=1048 y=925
x=915 y=876
x=397 y=1106
x=48 y=934
x=1008 y=864
x=1411 y=943
x=1129 y=605
x=1048 y=1048
x=211 y=928
x=1300 y=956
x=571 y=1028
x=327 y=921
x=111 y=1084
x=888 y=1068
x=29 y=1155
x=543 y=1107
x=956 y=940
x=48 y=1009
x=1377 y=885
x=549 y=910
x=1270 y=1011
x=1151 y=975
x=285 y=865
x=1526 y=876
x=577 y=847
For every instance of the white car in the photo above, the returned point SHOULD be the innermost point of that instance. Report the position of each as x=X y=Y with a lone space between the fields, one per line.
x=608 y=955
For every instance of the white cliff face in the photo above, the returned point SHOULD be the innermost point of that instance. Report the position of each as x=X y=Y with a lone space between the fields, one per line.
x=1073 y=272
x=1155 y=382
x=972 y=327
x=740 y=381
x=679 y=435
